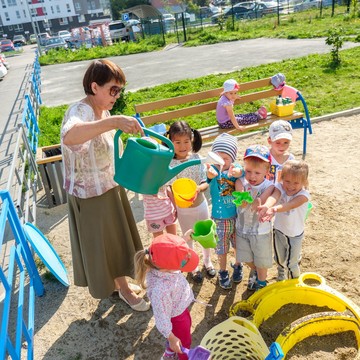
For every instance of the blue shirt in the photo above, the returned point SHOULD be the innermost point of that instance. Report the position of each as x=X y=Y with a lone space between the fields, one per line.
x=221 y=189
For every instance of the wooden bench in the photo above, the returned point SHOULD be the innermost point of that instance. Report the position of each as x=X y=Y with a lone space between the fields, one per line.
x=206 y=101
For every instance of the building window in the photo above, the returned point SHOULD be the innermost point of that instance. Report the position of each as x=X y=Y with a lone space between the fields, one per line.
x=91 y=5
x=17 y=14
x=68 y=8
x=63 y=21
x=77 y=6
x=7 y=18
x=24 y=14
x=58 y=8
x=11 y=2
x=81 y=18
x=18 y=28
x=3 y=3
x=52 y=9
x=10 y=27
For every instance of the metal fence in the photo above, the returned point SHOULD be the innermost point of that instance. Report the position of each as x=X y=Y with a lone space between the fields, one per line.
x=19 y=277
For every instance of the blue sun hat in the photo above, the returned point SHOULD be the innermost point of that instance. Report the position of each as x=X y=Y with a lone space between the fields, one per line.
x=260 y=151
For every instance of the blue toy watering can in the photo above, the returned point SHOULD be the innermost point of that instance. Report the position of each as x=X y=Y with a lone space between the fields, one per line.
x=144 y=165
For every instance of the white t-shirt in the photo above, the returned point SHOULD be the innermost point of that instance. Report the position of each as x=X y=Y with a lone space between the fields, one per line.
x=276 y=169
x=291 y=223
x=247 y=221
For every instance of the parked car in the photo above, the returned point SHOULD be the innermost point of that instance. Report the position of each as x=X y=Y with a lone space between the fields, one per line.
x=43 y=37
x=3 y=71
x=4 y=61
x=32 y=39
x=264 y=8
x=168 y=19
x=66 y=35
x=119 y=31
x=239 y=11
x=307 y=4
x=19 y=40
x=6 y=45
x=55 y=43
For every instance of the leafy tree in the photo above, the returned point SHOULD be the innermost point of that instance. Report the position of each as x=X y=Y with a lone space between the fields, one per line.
x=118 y=6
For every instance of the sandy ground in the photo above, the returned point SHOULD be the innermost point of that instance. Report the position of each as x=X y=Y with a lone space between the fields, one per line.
x=70 y=324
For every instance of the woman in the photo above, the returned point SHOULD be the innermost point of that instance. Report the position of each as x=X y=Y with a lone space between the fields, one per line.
x=103 y=233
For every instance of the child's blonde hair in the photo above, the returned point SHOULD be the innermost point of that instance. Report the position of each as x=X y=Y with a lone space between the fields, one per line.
x=299 y=169
x=142 y=264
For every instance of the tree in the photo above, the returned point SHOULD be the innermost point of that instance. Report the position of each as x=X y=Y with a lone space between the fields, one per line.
x=118 y=6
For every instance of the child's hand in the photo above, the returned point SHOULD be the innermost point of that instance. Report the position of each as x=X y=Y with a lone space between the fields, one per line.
x=241 y=128
x=234 y=171
x=211 y=172
x=265 y=214
x=187 y=236
x=174 y=343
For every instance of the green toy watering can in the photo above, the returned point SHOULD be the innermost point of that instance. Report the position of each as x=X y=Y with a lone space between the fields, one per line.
x=144 y=165
x=205 y=233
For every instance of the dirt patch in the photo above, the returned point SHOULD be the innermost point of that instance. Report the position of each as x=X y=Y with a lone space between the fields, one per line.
x=69 y=324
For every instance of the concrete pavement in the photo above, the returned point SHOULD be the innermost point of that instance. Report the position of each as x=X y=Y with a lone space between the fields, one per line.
x=62 y=84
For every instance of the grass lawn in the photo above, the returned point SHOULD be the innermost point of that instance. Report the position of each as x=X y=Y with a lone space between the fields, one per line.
x=326 y=90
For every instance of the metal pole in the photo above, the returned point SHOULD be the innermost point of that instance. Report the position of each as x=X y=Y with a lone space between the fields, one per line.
x=34 y=28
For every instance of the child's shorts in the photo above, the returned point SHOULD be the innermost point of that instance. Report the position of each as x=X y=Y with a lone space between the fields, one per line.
x=225 y=229
x=159 y=225
x=255 y=248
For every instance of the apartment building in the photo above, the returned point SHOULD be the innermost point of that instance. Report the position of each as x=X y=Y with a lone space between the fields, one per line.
x=22 y=16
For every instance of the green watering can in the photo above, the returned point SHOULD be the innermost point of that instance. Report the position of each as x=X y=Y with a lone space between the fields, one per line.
x=144 y=165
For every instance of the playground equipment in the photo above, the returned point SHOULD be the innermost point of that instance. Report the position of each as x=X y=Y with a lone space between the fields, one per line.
x=308 y=289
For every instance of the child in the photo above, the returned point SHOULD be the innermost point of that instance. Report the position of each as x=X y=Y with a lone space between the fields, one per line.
x=222 y=184
x=280 y=136
x=187 y=142
x=159 y=210
x=292 y=203
x=159 y=213
x=169 y=292
x=253 y=239
x=225 y=109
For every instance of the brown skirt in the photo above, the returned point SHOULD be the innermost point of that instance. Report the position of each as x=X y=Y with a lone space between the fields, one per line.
x=104 y=239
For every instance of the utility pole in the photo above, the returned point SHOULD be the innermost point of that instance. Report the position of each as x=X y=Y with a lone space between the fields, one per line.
x=34 y=28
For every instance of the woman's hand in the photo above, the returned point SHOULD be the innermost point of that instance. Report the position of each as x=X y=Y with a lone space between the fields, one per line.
x=128 y=124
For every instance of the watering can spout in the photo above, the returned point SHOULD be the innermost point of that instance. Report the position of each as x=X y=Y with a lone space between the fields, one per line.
x=173 y=171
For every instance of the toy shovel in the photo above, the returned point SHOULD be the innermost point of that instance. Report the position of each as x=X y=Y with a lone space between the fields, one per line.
x=276 y=352
x=197 y=353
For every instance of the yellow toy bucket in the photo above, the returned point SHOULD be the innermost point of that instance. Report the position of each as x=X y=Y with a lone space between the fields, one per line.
x=184 y=191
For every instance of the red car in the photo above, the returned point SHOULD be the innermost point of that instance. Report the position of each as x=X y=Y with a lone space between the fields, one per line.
x=6 y=45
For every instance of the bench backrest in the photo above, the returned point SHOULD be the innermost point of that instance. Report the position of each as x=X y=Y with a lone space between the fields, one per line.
x=259 y=85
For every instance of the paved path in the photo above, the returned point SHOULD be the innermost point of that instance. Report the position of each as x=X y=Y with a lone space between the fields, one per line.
x=62 y=84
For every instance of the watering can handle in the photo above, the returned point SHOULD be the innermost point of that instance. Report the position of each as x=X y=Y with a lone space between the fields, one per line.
x=148 y=132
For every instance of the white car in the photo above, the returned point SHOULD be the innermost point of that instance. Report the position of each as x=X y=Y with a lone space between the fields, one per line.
x=66 y=35
x=3 y=70
x=307 y=4
x=168 y=18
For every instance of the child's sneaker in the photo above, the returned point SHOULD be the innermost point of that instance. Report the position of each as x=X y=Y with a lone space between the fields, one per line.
x=238 y=273
x=252 y=280
x=262 y=112
x=224 y=279
x=260 y=284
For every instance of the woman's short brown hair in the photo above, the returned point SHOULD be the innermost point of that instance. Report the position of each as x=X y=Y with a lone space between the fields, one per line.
x=102 y=72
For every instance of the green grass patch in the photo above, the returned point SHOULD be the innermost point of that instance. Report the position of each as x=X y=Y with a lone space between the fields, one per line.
x=325 y=89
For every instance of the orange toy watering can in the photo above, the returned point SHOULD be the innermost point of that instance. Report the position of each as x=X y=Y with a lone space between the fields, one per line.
x=144 y=165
